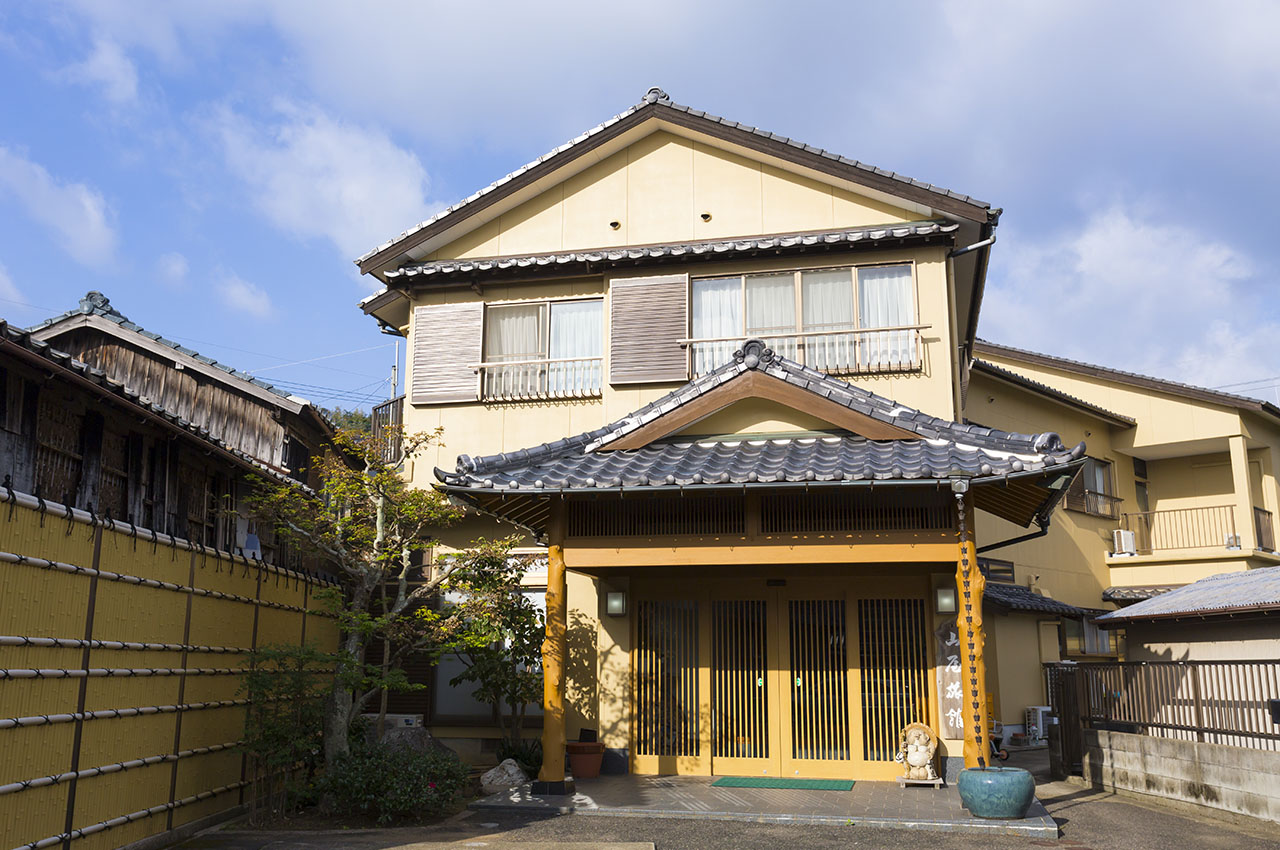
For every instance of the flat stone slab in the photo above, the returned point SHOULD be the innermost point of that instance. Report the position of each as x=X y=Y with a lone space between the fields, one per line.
x=879 y=804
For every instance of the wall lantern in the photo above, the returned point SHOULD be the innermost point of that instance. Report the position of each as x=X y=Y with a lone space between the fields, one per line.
x=615 y=603
x=945 y=597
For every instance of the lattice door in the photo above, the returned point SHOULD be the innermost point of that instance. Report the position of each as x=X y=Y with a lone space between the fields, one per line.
x=741 y=688
x=666 y=678
x=893 y=656
x=817 y=687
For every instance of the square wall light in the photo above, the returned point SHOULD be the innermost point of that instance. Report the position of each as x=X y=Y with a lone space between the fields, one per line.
x=615 y=603
x=945 y=599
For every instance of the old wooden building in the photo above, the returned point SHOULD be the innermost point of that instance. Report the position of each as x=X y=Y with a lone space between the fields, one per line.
x=98 y=414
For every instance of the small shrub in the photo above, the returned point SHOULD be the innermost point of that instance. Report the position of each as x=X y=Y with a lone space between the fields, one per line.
x=527 y=753
x=386 y=784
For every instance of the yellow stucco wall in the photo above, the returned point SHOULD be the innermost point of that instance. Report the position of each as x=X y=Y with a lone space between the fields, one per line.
x=657 y=190
x=1206 y=641
x=477 y=428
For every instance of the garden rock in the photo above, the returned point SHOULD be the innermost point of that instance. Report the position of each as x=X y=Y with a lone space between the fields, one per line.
x=504 y=776
x=416 y=738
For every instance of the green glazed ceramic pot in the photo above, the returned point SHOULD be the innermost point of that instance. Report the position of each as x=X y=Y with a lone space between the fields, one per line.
x=996 y=792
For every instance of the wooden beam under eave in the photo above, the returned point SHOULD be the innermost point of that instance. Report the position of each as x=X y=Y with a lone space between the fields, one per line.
x=755 y=384
x=646 y=554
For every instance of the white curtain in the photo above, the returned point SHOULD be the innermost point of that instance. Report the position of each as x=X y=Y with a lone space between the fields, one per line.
x=771 y=311
x=886 y=300
x=827 y=296
x=577 y=335
x=717 y=313
x=514 y=332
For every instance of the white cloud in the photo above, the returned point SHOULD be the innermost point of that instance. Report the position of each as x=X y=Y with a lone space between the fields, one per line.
x=1130 y=290
x=77 y=215
x=244 y=297
x=108 y=68
x=312 y=175
x=171 y=269
x=9 y=293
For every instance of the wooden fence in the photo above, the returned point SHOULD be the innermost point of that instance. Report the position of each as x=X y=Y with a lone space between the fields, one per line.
x=121 y=661
x=1215 y=702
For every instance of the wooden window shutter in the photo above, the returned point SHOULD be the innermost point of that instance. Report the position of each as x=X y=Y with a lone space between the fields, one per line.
x=648 y=316
x=447 y=344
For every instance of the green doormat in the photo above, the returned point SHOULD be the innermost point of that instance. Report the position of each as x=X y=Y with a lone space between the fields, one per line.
x=783 y=782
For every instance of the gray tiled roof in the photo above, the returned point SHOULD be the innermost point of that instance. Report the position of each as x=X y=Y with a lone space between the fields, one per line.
x=1227 y=593
x=657 y=98
x=24 y=339
x=1015 y=597
x=703 y=249
x=943 y=449
x=1172 y=387
x=1045 y=389
x=1136 y=593
x=96 y=304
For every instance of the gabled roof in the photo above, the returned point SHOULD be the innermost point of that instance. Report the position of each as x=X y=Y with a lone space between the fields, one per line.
x=1227 y=594
x=657 y=105
x=714 y=249
x=96 y=310
x=23 y=342
x=1015 y=597
x=1188 y=391
x=933 y=451
x=1023 y=381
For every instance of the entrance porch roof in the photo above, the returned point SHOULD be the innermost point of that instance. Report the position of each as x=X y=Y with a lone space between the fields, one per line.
x=893 y=445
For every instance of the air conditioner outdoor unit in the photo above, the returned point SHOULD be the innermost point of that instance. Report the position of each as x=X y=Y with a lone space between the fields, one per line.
x=1036 y=720
x=1123 y=542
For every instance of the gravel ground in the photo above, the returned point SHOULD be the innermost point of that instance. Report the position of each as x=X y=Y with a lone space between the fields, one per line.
x=1090 y=820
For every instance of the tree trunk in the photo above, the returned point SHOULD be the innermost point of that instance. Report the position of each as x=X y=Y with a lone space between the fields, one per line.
x=337 y=710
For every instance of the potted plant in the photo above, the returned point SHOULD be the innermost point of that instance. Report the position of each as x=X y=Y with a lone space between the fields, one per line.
x=996 y=792
x=585 y=758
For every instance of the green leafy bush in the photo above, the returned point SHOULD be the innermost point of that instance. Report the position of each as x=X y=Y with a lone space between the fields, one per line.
x=527 y=753
x=386 y=784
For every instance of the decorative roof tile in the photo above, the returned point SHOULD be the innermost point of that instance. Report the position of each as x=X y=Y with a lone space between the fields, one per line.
x=1015 y=597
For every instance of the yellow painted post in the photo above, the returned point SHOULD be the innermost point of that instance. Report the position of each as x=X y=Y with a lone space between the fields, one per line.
x=553 y=655
x=969 y=586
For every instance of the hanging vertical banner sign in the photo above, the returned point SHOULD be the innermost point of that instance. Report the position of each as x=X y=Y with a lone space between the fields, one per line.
x=950 y=695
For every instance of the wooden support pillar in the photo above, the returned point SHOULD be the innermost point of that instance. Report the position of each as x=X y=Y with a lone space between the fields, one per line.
x=551 y=776
x=969 y=586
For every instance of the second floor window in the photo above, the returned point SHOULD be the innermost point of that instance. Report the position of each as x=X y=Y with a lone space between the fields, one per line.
x=1092 y=490
x=841 y=321
x=545 y=349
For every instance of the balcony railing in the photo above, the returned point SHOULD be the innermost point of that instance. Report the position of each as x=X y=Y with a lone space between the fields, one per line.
x=524 y=380
x=388 y=429
x=842 y=352
x=1183 y=528
x=1264 y=530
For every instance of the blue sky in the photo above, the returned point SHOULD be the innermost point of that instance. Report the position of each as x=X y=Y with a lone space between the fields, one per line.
x=215 y=167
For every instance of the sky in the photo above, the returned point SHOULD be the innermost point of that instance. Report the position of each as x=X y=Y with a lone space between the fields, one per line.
x=215 y=167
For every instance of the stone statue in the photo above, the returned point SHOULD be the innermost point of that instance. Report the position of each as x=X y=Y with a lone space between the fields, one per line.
x=916 y=747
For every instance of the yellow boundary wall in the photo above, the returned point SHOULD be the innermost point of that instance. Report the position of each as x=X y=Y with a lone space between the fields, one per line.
x=121 y=661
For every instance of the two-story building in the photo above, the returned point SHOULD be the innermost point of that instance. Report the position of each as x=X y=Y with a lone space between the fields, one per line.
x=720 y=375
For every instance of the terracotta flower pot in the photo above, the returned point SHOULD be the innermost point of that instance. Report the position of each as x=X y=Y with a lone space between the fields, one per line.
x=996 y=792
x=585 y=758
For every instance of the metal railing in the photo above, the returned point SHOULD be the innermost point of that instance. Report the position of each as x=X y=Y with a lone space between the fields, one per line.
x=1183 y=528
x=1217 y=702
x=388 y=429
x=838 y=352
x=522 y=380
x=1264 y=530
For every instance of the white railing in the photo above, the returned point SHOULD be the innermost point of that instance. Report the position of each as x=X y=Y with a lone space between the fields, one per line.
x=842 y=352
x=520 y=380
